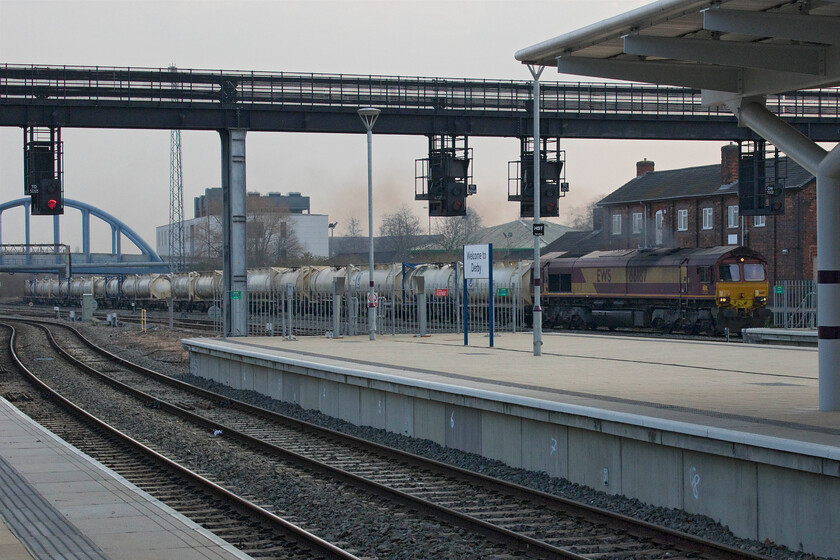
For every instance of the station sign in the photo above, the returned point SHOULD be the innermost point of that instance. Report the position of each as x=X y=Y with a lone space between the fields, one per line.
x=476 y=261
x=780 y=289
x=503 y=292
x=236 y=295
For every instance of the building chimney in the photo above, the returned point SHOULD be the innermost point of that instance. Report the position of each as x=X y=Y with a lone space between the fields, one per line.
x=643 y=167
x=729 y=156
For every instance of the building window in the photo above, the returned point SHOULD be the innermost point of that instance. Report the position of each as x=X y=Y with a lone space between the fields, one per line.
x=616 y=225
x=759 y=221
x=682 y=220
x=637 y=222
x=659 y=221
x=732 y=216
x=708 y=221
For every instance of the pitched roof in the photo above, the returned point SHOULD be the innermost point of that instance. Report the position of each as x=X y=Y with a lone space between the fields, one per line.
x=691 y=182
x=518 y=234
x=575 y=242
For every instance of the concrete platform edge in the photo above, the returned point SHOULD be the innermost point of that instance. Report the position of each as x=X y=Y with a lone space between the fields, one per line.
x=130 y=487
x=683 y=428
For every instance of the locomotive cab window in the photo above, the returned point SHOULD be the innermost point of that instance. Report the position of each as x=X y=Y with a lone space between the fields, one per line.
x=704 y=274
x=565 y=282
x=730 y=272
x=754 y=272
x=553 y=282
x=559 y=282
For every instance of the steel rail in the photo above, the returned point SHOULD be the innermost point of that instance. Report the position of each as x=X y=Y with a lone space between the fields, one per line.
x=633 y=526
x=498 y=534
x=241 y=505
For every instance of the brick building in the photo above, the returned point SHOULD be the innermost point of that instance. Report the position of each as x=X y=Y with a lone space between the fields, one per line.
x=698 y=207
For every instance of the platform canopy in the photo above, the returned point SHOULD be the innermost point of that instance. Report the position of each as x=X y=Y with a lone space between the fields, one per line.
x=728 y=48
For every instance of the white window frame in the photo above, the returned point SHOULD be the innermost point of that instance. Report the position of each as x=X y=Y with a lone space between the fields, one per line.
x=732 y=221
x=682 y=220
x=759 y=221
x=637 y=222
x=616 y=224
x=708 y=218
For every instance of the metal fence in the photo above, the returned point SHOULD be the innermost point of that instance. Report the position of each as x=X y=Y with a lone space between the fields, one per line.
x=795 y=304
x=288 y=312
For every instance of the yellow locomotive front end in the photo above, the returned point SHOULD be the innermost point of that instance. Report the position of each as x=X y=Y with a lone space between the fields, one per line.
x=741 y=293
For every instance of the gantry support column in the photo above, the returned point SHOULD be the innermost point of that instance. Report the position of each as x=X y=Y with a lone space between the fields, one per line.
x=826 y=167
x=234 y=249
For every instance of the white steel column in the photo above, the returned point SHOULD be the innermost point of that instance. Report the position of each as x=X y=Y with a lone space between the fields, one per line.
x=536 y=72
x=369 y=116
x=234 y=251
x=826 y=167
x=828 y=279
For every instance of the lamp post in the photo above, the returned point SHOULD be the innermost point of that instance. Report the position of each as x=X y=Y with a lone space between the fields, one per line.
x=430 y=220
x=369 y=116
x=536 y=71
x=331 y=225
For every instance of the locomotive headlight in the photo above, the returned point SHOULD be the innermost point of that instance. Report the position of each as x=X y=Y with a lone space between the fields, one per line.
x=723 y=300
x=760 y=300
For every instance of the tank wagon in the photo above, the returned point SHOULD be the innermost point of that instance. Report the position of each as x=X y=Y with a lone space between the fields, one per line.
x=696 y=290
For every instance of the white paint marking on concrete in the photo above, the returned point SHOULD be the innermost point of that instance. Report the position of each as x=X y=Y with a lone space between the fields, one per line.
x=694 y=478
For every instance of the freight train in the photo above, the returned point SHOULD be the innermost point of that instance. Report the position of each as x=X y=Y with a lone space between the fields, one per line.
x=696 y=290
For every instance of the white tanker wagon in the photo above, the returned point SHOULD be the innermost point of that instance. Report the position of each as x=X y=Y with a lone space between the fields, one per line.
x=307 y=289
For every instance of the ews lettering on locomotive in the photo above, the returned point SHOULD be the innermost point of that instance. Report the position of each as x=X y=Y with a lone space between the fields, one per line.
x=603 y=275
x=636 y=275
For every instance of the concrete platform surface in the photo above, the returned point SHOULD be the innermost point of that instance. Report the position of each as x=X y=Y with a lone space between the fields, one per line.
x=762 y=390
x=56 y=502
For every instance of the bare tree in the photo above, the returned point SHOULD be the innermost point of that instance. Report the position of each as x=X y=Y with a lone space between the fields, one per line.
x=580 y=217
x=355 y=235
x=458 y=231
x=269 y=231
x=354 y=227
x=400 y=230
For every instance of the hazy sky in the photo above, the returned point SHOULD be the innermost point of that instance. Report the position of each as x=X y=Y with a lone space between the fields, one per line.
x=126 y=173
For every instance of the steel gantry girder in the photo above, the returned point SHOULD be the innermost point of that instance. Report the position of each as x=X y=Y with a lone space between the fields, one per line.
x=98 y=97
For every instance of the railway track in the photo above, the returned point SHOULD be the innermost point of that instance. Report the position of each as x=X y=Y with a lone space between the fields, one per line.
x=239 y=521
x=522 y=520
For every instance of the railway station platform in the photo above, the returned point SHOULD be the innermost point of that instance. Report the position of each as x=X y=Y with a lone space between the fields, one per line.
x=732 y=431
x=56 y=502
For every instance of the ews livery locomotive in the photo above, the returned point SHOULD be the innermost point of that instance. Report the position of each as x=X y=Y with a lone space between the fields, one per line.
x=695 y=290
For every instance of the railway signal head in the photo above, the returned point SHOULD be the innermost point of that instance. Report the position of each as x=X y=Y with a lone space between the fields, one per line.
x=48 y=199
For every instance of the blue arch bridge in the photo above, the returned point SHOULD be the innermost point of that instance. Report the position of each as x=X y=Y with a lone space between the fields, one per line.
x=57 y=258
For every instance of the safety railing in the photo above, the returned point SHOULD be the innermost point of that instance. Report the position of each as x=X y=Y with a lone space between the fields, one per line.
x=129 y=86
x=288 y=312
x=795 y=304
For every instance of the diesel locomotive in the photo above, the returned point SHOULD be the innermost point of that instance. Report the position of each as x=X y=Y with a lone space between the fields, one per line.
x=695 y=290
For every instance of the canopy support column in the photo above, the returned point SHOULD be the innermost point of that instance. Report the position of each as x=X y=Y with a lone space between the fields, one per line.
x=826 y=167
